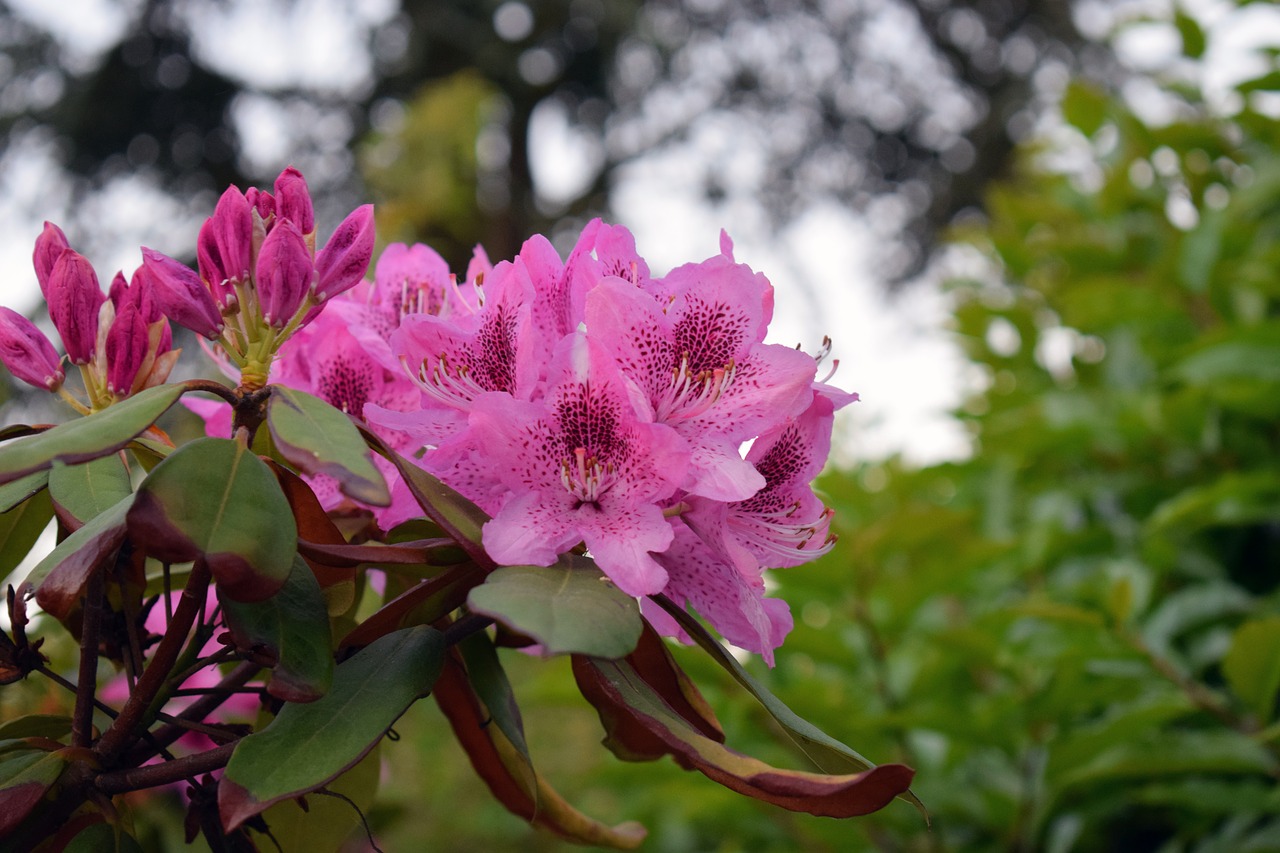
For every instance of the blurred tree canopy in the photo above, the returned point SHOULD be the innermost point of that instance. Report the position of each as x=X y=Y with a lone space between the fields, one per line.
x=918 y=102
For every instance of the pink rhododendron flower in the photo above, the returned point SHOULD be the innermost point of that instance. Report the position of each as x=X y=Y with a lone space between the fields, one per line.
x=585 y=464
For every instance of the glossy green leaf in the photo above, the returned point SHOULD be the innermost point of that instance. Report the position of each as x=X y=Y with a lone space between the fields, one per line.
x=293 y=627
x=17 y=491
x=60 y=577
x=20 y=527
x=642 y=724
x=91 y=437
x=327 y=820
x=213 y=499
x=1252 y=665
x=318 y=439
x=85 y=490
x=25 y=776
x=489 y=680
x=827 y=753
x=567 y=608
x=309 y=745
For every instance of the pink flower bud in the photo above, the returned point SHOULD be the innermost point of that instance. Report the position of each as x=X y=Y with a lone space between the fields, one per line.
x=74 y=299
x=27 y=353
x=261 y=201
x=181 y=296
x=345 y=258
x=127 y=348
x=49 y=246
x=284 y=273
x=225 y=243
x=293 y=201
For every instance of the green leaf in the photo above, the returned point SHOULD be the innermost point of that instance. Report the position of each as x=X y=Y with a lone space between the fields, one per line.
x=489 y=680
x=213 y=499
x=1252 y=665
x=327 y=820
x=637 y=719
x=1172 y=753
x=458 y=517
x=90 y=488
x=826 y=753
x=60 y=577
x=309 y=745
x=51 y=726
x=567 y=608
x=318 y=439
x=25 y=776
x=20 y=527
x=99 y=434
x=1233 y=499
x=1193 y=40
x=14 y=493
x=1084 y=107
x=293 y=627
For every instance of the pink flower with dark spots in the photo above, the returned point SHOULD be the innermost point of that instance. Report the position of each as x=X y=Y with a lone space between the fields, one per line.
x=734 y=604
x=698 y=354
x=784 y=523
x=585 y=464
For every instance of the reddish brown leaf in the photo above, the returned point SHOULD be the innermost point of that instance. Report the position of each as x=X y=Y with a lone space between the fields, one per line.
x=450 y=588
x=639 y=721
x=496 y=761
x=655 y=665
x=314 y=525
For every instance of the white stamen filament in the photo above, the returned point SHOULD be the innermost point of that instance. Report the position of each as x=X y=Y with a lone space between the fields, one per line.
x=585 y=477
x=450 y=385
x=692 y=394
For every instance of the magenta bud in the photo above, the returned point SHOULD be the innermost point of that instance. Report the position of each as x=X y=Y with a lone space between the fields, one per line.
x=293 y=200
x=225 y=244
x=141 y=292
x=49 y=245
x=27 y=352
x=127 y=348
x=284 y=273
x=261 y=201
x=118 y=290
x=74 y=299
x=181 y=296
x=345 y=258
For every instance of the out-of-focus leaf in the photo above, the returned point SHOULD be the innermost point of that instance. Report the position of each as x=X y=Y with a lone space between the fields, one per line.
x=1233 y=499
x=1084 y=107
x=458 y=517
x=99 y=434
x=489 y=681
x=60 y=577
x=81 y=492
x=567 y=607
x=499 y=764
x=309 y=745
x=51 y=726
x=423 y=603
x=642 y=724
x=20 y=527
x=103 y=838
x=1252 y=665
x=214 y=500
x=1269 y=82
x=319 y=439
x=327 y=820
x=1174 y=753
x=25 y=776
x=1193 y=40
x=293 y=627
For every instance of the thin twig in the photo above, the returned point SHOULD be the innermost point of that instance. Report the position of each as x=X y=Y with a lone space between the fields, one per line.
x=152 y=775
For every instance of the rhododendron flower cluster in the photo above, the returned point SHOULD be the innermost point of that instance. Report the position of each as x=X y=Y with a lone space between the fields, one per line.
x=586 y=403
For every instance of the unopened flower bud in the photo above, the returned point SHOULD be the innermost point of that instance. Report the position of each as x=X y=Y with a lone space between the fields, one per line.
x=284 y=273
x=49 y=245
x=224 y=247
x=127 y=348
x=293 y=201
x=74 y=299
x=181 y=296
x=27 y=352
x=344 y=260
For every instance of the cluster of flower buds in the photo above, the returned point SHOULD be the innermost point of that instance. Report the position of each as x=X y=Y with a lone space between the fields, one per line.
x=120 y=340
x=260 y=276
